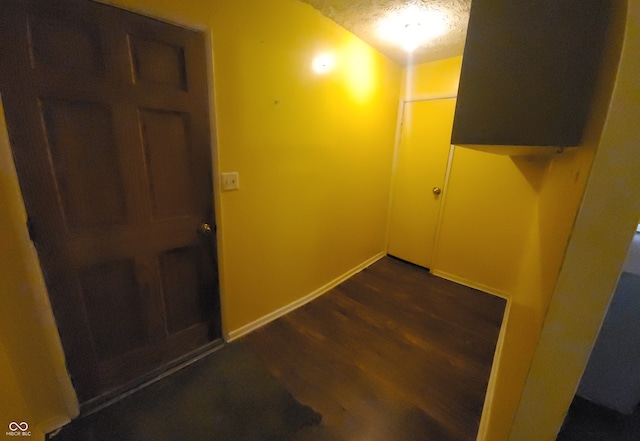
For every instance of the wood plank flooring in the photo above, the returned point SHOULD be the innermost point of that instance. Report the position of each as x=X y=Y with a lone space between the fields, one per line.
x=393 y=353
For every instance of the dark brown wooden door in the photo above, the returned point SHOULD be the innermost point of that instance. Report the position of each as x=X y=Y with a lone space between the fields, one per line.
x=108 y=118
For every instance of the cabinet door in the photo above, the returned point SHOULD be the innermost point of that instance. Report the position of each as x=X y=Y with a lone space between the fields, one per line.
x=529 y=70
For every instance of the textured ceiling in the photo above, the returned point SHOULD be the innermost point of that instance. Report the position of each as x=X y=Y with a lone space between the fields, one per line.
x=361 y=17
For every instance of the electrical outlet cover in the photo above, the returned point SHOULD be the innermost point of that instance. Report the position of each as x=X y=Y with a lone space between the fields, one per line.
x=230 y=181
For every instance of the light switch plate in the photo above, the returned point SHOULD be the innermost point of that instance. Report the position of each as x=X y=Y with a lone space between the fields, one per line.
x=230 y=181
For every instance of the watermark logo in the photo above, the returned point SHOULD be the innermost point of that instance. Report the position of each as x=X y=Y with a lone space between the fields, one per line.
x=18 y=429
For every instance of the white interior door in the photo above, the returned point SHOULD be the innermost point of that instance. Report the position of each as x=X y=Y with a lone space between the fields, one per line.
x=419 y=179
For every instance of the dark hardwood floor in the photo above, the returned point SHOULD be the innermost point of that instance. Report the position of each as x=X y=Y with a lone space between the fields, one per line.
x=393 y=353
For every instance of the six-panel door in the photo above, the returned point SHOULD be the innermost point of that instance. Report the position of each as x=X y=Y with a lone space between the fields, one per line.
x=108 y=118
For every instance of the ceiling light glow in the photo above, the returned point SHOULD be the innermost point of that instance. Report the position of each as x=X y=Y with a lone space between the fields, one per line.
x=324 y=63
x=412 y=27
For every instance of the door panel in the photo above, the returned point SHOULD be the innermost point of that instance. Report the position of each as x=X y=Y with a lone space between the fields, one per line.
x=179 y=268
x=86 y=168
x=108 y=118
x=158 y=62
x=63 y=45
x=167 y=157
x=111 y=292
x=421 y=166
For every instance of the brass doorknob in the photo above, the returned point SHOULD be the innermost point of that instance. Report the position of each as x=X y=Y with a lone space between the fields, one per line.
x=205 y=229
x=436 y=190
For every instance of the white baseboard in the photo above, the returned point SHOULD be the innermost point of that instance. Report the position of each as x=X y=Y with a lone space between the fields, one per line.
x=495 y=366
x=487 y=408
x=237 y=333
x=471 y=284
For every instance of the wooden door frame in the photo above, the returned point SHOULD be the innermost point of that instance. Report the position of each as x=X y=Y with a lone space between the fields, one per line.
x=394 y=168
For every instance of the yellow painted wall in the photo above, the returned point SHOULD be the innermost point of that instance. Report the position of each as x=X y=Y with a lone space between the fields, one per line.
x=436 y=78
x=314 y=175
x=34 y=385
x=600 y=237
x=554 y=208
x=313 y=152
x=12 y=404
x=489 y=205
x=558 y=203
